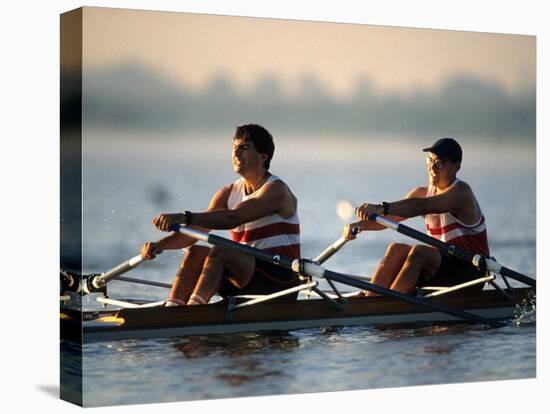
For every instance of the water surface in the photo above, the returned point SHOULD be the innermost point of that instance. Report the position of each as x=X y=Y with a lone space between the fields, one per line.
x=130 y=179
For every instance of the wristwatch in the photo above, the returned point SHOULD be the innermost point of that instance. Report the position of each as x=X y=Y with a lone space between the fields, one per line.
x=187 y=217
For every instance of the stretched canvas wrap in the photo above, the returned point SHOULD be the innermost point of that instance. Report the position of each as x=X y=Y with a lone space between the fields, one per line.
x=150 y=105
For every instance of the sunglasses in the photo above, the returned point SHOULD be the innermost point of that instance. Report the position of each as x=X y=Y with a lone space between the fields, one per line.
x=435 y=163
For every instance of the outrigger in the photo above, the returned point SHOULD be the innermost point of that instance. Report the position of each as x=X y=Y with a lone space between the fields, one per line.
x=134 y=319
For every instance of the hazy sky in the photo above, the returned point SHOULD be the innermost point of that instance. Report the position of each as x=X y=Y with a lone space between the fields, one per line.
x=191 y=48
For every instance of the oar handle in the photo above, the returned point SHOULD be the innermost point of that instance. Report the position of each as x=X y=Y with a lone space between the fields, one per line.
x=477 y=260
x=334 y=247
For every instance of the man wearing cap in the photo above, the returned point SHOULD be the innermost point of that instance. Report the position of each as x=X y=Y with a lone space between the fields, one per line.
x=452 y=214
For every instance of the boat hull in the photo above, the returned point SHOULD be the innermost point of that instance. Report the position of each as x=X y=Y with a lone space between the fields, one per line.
x=276 y=316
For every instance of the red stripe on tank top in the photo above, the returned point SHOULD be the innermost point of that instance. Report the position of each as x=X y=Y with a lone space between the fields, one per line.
x=437 y=231
x=270 y=230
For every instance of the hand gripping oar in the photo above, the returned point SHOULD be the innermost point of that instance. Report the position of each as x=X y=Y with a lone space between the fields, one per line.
x=310 y=268
x=478 y=260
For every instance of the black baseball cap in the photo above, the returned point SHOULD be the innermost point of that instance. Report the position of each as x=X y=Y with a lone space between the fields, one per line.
x=446 y=148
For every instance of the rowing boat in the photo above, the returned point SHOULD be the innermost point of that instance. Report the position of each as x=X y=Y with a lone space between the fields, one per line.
x=463 y=302
x=283 y=315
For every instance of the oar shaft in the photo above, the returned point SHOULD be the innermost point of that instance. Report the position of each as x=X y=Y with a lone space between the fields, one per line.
x=423 y=237
x=361 y=284
x=334 y=247
x=512 y=274
x=116 y=271
x=277 y=259
x=330 y=250
x=492 y=264
x=144 y=282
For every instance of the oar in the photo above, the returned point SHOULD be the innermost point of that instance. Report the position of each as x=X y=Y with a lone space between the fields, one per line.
x=99 y=282
x=315 y=270
x=477 y=260
x=144 y=282
x=334 y=247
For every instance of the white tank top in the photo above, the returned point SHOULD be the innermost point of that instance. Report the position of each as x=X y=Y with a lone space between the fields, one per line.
x=447 y=228
x=272 y=233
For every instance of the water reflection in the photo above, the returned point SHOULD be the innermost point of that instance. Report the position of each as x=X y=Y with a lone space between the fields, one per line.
x=245 y=357
x=71 y=371
x=421 y=330
x=232 y=345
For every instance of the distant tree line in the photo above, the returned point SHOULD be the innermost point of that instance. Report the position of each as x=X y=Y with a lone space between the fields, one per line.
x=132 y=97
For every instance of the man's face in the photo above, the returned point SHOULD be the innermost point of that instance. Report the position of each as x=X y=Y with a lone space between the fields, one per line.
x=245 y=156
x=440 y=170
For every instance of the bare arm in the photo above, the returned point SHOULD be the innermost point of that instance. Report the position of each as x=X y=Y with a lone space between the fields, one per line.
x=455 y=198
x=179 y=241
x=417 y=192
x=272 y=198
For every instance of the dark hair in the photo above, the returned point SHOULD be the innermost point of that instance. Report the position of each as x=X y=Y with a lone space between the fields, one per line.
x=262 y=139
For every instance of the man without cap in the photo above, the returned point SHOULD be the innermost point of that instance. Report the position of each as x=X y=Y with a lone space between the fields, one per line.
x=258 y=208
x=451 y=213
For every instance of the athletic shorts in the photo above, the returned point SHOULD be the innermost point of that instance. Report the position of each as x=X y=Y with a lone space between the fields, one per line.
x=453 y=271
x=267 y=278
